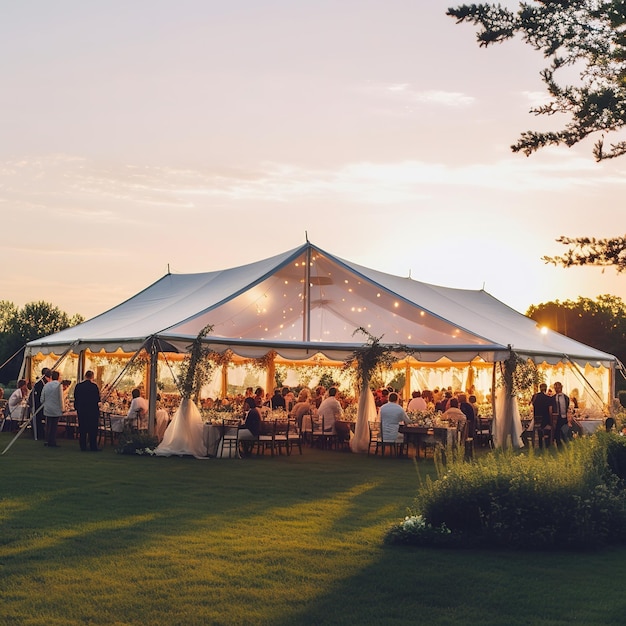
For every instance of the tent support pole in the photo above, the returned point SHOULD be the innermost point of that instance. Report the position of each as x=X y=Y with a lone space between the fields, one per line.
x=80 y=374
x=152 y=386
x=493 y=402
x=270 y=379
x=407 y=382
x=224 y=380
x=306 y=300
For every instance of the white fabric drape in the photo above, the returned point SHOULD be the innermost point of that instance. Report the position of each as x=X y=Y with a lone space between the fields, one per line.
x=507 y=422
x=366 y=412
x=184 y=433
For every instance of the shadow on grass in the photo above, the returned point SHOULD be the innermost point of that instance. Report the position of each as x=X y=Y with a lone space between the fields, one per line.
x=284 y=540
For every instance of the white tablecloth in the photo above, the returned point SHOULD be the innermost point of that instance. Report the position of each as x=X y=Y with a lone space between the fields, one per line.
x=590 y=426
x=211 y=435
x=117 y=423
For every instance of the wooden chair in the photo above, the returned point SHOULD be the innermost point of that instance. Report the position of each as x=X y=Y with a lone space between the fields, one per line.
x=316 y=434
x=483 y=433
x=229 y=441
x=104 y=429
x=265 y=440
x=294 y=436
x=374 y=428
x=281 y=441
x=396 y=446
x=343 y=435
x=3 y=413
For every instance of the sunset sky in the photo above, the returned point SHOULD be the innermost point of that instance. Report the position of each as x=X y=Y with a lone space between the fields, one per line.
x=199 y=135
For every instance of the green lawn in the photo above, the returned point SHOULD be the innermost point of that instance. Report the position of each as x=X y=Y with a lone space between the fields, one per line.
x=91 y=538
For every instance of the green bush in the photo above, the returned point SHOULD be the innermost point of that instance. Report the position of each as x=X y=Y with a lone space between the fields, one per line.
x=136 y=443
x=615 y=453
x=573 y=498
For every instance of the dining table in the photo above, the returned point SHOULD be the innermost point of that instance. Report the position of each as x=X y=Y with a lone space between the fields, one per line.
x=416 y=435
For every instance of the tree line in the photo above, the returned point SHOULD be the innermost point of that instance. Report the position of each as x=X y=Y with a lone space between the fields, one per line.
x=18 y=326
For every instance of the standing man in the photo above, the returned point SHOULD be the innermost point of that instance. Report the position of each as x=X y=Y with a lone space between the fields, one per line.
x=87 y=405
x=52 y=402
x=560 y=407
x=542 y=403
x=35 y=402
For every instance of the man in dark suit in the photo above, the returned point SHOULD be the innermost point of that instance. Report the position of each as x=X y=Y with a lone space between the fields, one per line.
x=87 y=405
x=560 y=407
x=542 y=404
x=34 y=402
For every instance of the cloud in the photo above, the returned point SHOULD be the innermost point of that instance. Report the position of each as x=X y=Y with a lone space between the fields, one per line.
x=536 y=98
x=129 y=196
x=408 y=97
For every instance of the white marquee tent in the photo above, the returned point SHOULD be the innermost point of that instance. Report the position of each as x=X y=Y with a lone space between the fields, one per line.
x=308 y=302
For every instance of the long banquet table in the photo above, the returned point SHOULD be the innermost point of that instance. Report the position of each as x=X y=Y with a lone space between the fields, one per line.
x=418 y=434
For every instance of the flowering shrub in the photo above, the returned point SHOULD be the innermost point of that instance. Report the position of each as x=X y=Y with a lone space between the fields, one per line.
x=571 y=499
x=416 y=531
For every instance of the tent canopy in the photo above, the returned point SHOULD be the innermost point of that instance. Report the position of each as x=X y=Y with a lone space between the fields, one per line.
x=307 y=301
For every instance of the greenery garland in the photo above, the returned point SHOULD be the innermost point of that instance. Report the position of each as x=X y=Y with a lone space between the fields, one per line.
x=197 y=366
x=519 y=376
x=372 y=356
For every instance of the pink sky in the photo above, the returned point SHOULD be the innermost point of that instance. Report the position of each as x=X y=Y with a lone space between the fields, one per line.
x=201 y=135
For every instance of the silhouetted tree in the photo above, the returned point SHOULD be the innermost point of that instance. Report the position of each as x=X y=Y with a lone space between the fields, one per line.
x=589 y=251
x=589 y=37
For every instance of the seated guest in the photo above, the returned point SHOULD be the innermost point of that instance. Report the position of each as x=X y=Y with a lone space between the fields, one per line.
x=289 y=398
x=416 y=403
x=277 y=401
x=444 y=404
x=249 y=430
x=454 y=416
x=302 y=407
x=468 y=411
x=17 y=400
x=320 y=392
x=330 y=410
x=138 y=411
x=391 y=416
x=259 y=396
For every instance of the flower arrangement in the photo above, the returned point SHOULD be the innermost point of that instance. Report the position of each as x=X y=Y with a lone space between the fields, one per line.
x=215 y=416
x=428 y=418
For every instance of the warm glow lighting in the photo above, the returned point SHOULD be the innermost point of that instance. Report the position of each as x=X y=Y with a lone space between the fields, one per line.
x=378 y=295
x=544 y=330
x=422 y=313
x=396 y=304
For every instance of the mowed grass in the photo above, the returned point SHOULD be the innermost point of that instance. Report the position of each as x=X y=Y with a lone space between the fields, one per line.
x=107 y=539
